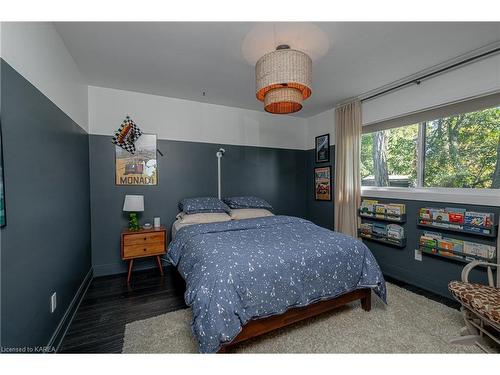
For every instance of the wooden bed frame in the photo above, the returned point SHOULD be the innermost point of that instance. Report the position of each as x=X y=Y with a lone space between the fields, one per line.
x=262 y=326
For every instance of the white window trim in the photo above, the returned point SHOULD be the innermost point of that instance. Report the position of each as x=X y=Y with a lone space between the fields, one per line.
x=485 y=197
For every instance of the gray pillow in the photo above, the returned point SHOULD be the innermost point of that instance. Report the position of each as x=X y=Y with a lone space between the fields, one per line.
x=247 y=202
x=203 y=204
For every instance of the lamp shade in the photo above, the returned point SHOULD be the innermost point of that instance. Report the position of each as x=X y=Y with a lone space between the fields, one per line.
x=283 y=80
x=133 y=203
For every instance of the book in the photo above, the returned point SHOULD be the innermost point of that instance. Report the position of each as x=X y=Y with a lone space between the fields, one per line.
x=379 y=230
x=394 y=209
x=456 y=218
x=441 y=216
x=458 y=245
x=425 y=213
x=366 y=228
x=427 y=242
x=367 y=207
x=478 y=219
x=445 y=245
x=379 y=210
x=479 y=250
x=395 y=231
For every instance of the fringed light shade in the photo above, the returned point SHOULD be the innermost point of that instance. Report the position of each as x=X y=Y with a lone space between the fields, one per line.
x=283 y=80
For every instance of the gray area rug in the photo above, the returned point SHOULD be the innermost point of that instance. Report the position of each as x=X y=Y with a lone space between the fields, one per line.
x=409 y=324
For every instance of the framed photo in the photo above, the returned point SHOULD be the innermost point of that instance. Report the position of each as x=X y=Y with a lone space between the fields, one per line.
x=139 y=168
x=3 y=220
x=322 y=148
x=323 y=183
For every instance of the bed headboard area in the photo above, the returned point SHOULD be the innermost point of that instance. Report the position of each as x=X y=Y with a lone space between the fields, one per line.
x=189 y=169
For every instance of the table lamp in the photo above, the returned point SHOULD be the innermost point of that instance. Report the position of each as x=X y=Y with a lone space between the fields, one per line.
x=132 y=205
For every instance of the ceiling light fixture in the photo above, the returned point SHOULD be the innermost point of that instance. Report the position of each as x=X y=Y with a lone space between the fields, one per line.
x=283 y=80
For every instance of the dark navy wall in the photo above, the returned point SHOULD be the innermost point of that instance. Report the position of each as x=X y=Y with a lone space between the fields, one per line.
x=45 y=246
x=188 y=169
x=319 y=212
x=431 y=273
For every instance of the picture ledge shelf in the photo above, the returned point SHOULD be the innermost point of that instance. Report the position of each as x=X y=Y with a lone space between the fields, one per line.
x=465 y=258
x=401 y=243
x=382 y=217
x=492 y=229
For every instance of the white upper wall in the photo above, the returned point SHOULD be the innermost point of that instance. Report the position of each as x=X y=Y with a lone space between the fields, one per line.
x=38 y=53
x=480 y=78
x=476 y=79
x=320 y=124
x=185 y=120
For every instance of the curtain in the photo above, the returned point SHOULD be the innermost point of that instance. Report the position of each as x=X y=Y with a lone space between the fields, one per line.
x=347 y=174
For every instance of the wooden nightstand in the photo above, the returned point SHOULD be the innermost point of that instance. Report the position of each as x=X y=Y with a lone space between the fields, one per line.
x=143 y=243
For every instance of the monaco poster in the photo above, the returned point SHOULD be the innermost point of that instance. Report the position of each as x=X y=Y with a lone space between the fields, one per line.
x=139 y=168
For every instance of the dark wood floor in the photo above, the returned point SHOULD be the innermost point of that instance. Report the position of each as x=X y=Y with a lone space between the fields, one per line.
x=109 y=304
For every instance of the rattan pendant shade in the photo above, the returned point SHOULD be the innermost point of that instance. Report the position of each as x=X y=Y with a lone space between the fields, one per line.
x=283 y=80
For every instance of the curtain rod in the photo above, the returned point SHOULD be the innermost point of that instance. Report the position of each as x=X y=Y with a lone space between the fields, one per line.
x=418 y=80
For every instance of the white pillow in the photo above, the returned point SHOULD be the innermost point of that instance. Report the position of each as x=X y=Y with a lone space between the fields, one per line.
x=203 y=217
x=249 y=213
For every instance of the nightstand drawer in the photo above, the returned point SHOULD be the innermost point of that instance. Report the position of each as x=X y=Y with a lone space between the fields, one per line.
x=143 y=243
x=144 y=238
x=147 y=249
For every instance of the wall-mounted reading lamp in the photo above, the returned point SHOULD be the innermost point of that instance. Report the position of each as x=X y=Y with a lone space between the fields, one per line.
x=219 y=155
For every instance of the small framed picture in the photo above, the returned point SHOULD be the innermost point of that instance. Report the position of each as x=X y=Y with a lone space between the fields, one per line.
x=322 y=148
x=323 y=183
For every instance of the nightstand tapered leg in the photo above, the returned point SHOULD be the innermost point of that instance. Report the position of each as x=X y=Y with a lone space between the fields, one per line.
x=130 y=264
x=158 y=260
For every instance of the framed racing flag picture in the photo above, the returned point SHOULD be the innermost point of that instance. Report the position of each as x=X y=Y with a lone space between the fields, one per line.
x=139 y=167
x=323 y=183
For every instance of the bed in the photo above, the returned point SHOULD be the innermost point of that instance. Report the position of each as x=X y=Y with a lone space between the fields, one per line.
x=176 y=226
x=248 y=277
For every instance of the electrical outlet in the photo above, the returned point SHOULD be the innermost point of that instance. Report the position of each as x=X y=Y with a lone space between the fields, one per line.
x=418 y=255
x=53 y=302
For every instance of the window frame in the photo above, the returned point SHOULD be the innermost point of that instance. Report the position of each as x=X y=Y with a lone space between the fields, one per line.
x=480 y=196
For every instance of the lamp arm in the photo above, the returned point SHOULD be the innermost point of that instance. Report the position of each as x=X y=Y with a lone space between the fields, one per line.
x=219 y=155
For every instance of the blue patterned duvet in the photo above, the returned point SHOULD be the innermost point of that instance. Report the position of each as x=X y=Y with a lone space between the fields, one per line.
x=241 y=270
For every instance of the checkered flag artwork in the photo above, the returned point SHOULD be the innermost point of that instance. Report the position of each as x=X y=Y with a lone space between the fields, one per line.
x=126 y=135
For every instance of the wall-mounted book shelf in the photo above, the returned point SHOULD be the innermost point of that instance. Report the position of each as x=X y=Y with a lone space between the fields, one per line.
x=382 y=217
x=439 y=225
x=452 y=255
x=400 y=243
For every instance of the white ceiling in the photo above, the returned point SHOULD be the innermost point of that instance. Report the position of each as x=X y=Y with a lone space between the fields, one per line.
x=182 y=59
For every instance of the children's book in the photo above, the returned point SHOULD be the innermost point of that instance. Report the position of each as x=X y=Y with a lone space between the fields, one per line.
x=366 y=228
x=458 y=245
x=380 y=210
x=394 y=209
x=367 y=207
x=395 y=231
x=480 y=250
x=379 y=229
x=478 y=219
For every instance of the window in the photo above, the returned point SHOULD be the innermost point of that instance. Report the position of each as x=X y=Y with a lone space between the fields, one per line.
x=389 y=157
x=460 y=151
